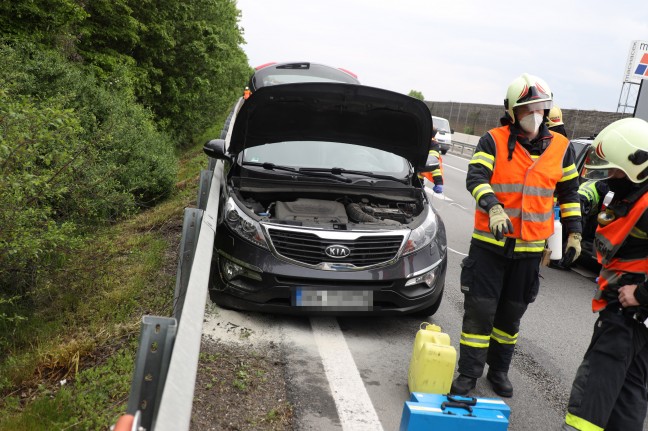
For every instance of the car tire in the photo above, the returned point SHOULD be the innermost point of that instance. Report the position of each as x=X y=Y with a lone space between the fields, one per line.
x=429 y=311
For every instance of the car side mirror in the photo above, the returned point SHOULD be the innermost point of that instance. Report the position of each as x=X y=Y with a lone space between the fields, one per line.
x=431 y=164
x=216 y=149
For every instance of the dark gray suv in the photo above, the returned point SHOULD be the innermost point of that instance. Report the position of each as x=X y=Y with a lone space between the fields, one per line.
x=321 y=210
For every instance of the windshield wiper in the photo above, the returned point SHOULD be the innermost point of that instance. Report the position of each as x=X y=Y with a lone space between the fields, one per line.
x=300 y=171
x=342 y=171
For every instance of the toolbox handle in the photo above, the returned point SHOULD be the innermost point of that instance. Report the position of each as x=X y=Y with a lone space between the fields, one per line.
x=471 y=401
x=455 y=404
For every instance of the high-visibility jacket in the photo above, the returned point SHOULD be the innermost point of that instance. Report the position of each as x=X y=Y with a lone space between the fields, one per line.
x=608 y=240
x=525 y=187
x=436 y=176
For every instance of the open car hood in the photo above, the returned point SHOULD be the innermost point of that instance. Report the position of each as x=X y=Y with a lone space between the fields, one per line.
x=334 y=112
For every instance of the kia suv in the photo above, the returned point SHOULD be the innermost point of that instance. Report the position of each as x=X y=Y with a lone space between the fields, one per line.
x=320 y=207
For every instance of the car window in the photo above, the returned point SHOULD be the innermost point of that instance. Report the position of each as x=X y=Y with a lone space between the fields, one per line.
x=299 y=72
x=326 y=155
x=441 y=124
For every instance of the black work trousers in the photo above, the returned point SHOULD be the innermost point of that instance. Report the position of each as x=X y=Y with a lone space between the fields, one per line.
x=497 y=290
x=609 y=389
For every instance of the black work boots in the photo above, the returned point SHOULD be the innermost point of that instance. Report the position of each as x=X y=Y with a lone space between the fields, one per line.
x=462 y=385
x=500 y=383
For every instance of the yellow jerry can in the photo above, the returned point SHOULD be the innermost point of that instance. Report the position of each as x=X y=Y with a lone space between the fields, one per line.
x=433 y=361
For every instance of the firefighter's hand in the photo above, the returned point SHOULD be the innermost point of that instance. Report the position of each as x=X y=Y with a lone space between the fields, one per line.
x=438 y=188
x=499 y=222
x=626 y=296
x=573 y=249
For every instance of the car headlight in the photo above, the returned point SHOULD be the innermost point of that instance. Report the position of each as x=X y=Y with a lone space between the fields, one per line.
x=243 y=225
x=422 y=235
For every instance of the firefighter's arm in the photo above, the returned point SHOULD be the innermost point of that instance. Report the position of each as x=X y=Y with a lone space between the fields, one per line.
x=480 y=171
x=640 y=292
x=437 y=174
x=568 y=197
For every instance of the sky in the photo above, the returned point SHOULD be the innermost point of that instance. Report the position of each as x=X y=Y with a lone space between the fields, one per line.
x=465 y=51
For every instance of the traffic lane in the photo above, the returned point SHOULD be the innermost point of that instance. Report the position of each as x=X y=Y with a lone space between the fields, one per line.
x=454 y=181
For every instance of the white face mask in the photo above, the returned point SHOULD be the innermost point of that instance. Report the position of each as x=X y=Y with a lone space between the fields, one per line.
x=531 y=123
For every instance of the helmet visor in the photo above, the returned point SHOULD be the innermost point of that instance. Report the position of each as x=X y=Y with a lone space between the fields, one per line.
x=533 y=106
x=597 y=168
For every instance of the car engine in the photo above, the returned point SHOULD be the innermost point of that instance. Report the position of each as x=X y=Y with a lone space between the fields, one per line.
x=309 y=212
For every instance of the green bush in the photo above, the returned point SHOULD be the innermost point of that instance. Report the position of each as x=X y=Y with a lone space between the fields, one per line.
x=74 y=153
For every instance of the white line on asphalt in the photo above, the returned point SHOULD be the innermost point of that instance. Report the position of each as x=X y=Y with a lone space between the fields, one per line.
x=354 y=406
x=445 y=165
x=458 y=252
x=457 y=205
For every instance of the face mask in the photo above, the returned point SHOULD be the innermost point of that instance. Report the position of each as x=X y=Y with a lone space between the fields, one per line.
x=531 y=123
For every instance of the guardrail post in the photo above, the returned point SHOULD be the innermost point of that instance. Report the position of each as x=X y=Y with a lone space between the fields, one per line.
x=152 y=363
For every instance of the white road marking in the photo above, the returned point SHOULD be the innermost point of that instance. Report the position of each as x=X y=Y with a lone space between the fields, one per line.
x=445 y=165
x=457 y=205
x=458 y=252
x=351 y=398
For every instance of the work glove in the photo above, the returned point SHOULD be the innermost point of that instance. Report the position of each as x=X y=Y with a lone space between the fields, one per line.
x=499 y=222
x=572 y=250
x=438 y=188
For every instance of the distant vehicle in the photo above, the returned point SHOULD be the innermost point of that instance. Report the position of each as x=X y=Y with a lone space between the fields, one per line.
x=321 y=211
x=289 y=73
x=444 y=133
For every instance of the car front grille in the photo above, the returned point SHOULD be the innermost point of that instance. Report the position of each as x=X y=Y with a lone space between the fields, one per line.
x=309 y=248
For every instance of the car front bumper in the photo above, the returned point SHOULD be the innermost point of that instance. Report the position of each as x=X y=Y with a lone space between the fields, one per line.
x=267 y=283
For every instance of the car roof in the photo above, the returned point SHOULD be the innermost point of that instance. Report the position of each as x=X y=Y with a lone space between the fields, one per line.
x=287 y=73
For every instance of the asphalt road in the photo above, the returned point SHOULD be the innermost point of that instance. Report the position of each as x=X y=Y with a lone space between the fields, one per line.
x=351 y=373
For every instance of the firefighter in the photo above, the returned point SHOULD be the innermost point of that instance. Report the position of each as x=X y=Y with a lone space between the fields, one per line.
x=436 y=176
x=609 y=390
x=513 y=187
x=555 y=121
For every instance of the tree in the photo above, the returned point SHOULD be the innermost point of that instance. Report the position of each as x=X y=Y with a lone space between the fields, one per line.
x=416 y=94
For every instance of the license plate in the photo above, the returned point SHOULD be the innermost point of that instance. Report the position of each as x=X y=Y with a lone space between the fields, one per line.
x=334 y=299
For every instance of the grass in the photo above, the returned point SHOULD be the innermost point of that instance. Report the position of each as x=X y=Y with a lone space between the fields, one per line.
x=70 y=364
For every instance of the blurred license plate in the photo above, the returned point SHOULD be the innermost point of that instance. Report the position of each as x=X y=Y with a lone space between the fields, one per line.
x=334 y=299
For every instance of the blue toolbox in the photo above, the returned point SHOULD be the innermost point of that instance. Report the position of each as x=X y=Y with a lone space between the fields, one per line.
x=451 y=414
x=478 y=403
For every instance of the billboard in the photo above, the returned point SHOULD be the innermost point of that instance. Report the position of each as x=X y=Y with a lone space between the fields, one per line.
x=637 y=65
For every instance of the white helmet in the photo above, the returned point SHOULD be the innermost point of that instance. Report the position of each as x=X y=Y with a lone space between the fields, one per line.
x=526 y=90
x=622 y=145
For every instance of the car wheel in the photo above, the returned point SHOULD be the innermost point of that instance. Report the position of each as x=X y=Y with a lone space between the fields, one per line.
x=431 y=309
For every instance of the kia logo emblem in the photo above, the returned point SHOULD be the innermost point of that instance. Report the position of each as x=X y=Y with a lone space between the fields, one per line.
x=337 y=251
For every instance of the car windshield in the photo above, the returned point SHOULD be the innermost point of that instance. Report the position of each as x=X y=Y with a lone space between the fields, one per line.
x=299 y=72
x=327 y=155
x=441 y=124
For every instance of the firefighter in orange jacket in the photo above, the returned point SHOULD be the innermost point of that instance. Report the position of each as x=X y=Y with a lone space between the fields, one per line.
x=609 y=390
x=513 y=175
x=436 y=176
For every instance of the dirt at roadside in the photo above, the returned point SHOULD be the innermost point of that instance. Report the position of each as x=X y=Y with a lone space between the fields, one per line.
x=240 y=388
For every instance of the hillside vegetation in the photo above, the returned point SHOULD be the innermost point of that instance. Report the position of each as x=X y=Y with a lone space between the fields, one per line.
x=99 y=101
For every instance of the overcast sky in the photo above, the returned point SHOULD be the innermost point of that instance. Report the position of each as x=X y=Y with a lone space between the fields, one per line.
x=456 y=50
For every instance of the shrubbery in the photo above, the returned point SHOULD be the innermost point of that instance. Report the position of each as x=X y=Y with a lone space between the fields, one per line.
x=94 y=99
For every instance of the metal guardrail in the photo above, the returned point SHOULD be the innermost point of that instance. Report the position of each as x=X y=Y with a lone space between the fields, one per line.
x=463 y=145
x=164 y=378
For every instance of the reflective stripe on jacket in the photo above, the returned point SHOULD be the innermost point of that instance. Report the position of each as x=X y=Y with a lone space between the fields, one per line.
x=607 y=242
x=525 y=186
